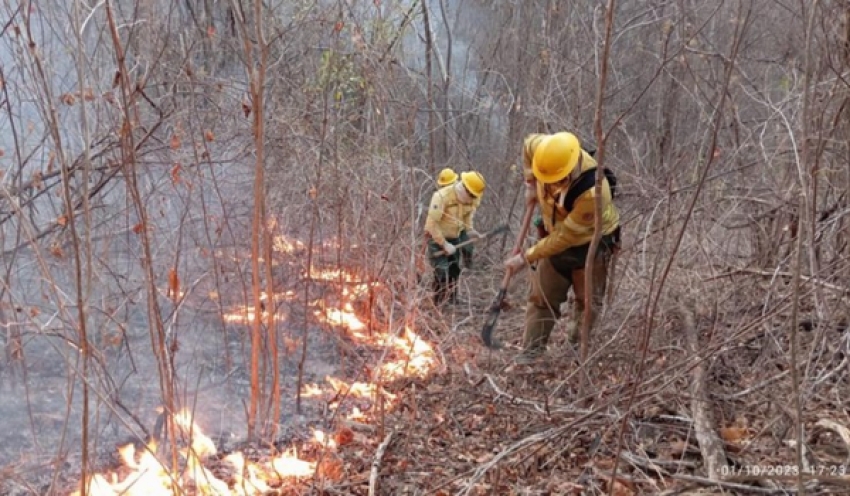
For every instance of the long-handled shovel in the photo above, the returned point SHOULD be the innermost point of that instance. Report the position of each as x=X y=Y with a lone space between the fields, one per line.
x=496 y=307
x=489 y=234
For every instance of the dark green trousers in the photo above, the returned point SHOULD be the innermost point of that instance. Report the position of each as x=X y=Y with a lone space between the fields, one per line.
x=447 y=268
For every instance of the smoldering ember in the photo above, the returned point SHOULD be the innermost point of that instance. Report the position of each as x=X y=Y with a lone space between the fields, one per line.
x=375 y=247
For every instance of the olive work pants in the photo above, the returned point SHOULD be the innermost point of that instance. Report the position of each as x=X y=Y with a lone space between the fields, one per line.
x=447 y=268
x=550 y=287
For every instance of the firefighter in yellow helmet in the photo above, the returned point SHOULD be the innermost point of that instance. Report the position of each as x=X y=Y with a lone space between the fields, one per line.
x=450 y=222
x=446 y=177
x=558 y=173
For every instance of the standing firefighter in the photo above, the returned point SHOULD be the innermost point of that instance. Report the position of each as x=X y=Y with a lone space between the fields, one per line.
x=450 y=222
x=560 y=177
x=446 y=177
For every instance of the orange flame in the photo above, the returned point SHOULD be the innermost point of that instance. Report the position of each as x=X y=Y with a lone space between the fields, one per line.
x=147 y=476
x=312 y=391
x=245 y=314
x=333 y=275
x=359 y=389
x=202 y=445
x=323 y=439
x=344 y=317
x=289 y=465
x=282 y=244
x=418 y=357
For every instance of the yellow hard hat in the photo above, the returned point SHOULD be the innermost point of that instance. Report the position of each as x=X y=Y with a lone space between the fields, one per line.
x=474 y=183
x=555 y=157
x=446 y=177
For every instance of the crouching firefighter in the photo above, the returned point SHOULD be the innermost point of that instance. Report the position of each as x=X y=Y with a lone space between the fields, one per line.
x=449 y=223
x=560 y=178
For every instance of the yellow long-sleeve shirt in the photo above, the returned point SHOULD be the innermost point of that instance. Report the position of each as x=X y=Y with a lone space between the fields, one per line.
x=573 y=228
x=447 y=216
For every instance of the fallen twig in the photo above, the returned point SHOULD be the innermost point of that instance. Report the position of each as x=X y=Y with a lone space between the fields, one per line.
x=358 y=426
x=768 y=273
x=656 y=465
x=813 y=479
x=626 y=480
x=515 y=399
x=376 y=464
x=751 y=389
x=732 y=485
x=705 y=429
x=510 y=450
x=839 y=429
x=538 y=406
x=471 y=376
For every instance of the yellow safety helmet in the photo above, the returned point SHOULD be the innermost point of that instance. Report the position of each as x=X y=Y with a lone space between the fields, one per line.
x=474 y=183
x=555 y=157
x=446 y=177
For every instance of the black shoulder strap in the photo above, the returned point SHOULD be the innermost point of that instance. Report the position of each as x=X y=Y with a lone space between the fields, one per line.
x=584 y=182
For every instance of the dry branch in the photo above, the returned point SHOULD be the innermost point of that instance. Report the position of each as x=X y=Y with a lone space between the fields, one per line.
x=376 y=464
x=733 y=486
x=510 y=450
x=839 y=429
x=514 y=399
x=705 y=429
x=768 y=273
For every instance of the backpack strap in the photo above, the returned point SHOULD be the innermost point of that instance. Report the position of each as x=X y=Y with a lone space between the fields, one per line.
x=584 y=182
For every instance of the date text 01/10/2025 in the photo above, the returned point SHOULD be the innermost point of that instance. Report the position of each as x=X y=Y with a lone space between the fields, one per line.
x=782 y=470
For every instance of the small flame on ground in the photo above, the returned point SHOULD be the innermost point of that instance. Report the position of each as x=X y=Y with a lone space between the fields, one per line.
x=344 y=317
x=289 y=465
x=359 y=389
x=356 y=414
x=312 y=391
x=418 y=357
x=147 y=476
x=245 y=314
x=333 y=275
x=323 y=439
x=283 y=244
x=202 y=445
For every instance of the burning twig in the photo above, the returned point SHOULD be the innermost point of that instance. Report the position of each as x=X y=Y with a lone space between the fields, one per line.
x=376 y=464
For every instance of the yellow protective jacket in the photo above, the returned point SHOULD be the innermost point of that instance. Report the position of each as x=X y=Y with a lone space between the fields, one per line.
x=447 y=216
x=573 y=228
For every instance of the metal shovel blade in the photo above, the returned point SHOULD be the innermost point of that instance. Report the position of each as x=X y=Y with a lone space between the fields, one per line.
x=490 y=322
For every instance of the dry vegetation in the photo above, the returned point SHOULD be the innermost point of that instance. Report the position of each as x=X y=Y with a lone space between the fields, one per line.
x=171 y=169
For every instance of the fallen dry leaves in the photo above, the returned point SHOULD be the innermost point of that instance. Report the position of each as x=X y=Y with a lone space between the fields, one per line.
x=733 y=434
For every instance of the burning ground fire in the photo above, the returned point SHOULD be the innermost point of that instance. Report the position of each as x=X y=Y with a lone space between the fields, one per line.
x=143 y=474
x=405 y=355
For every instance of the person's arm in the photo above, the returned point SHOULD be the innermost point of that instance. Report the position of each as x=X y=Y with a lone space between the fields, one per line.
x=435 y=213
x=574 y=230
